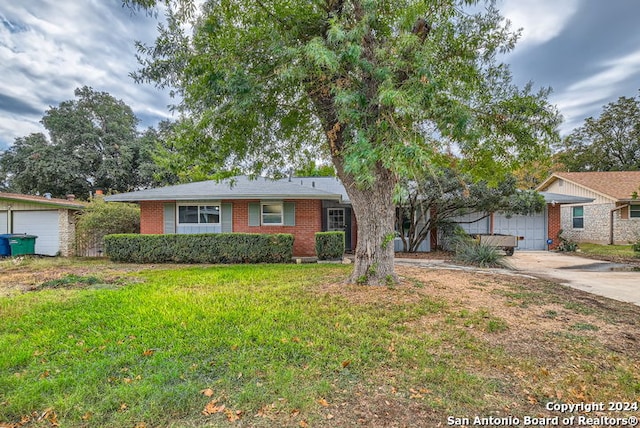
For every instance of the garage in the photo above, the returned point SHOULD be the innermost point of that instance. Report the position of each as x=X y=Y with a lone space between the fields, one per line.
x=530 y=227
x=4 y=225
x=44 y=225
x=52 y=220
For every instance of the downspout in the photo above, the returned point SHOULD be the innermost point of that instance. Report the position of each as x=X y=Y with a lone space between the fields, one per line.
x=611 y=221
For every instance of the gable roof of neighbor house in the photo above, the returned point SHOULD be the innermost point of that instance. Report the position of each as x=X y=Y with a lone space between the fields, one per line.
x=240 y=187
x=617 y=185
x=41 y=200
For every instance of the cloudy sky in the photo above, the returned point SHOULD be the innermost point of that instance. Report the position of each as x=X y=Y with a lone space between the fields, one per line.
x=588 y=51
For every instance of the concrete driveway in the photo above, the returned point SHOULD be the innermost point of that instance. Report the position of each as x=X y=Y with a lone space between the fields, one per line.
x=613 y=280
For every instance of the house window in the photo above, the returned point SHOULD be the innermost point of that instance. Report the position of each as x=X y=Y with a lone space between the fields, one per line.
x=272 y=213
x=578 y=217
x=199 y=214
x=634 y=211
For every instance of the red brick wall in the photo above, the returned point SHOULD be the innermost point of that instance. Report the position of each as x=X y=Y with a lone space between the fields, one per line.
x=152 y=217
x=554 y=224
x=308 y=222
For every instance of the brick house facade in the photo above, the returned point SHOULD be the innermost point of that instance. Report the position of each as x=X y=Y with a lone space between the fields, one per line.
x=300 y=207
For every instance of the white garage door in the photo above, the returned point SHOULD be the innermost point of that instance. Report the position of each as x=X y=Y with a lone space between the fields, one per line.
x=474 y=224
x=3 y=222
x=43 y=224
x=531 y=227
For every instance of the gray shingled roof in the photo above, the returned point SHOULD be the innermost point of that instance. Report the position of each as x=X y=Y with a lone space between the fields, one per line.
x=240 y=187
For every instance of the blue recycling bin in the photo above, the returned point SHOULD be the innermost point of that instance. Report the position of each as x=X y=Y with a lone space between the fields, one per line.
x=5 y=248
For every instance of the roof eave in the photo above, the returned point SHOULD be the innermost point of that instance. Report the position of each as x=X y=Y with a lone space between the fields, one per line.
x=331 y=197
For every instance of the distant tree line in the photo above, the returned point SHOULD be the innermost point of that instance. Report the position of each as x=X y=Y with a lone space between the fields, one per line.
x=610 y=142
x=91 y=142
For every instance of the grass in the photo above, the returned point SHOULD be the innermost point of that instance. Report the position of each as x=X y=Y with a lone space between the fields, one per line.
x=273 y=345
x=624 y=251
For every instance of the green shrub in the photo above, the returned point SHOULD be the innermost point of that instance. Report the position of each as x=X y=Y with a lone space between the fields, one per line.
x=566 y=245
x=200 y=248
x=482 y=255
x=636 y=246
x=100 y=218
x=330 y=245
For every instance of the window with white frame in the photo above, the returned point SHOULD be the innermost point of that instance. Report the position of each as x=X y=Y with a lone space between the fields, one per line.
x=634 y=211
x=272 y=213
x=577 y=214
x=198 y=214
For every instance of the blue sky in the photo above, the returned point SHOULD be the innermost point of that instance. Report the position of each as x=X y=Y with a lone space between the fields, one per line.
x=588 y=51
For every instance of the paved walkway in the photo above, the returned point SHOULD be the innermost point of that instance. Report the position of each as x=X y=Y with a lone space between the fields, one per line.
x=613 y=280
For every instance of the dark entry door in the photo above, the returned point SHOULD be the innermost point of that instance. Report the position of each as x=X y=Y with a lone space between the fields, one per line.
x=339 y=219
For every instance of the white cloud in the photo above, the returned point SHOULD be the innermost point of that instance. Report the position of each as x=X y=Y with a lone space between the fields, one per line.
x=48 y=48
x=541 y=20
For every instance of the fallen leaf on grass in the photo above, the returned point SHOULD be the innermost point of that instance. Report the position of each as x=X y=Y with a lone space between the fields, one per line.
x=148 y=352
x=208 y=392
x=212 y=408
x=304 y=424
x=323 y=402
x=346 y=363
x=232 y=415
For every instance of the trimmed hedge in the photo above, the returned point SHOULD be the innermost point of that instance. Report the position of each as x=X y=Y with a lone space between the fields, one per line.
x=200 y=248
x=330 y=245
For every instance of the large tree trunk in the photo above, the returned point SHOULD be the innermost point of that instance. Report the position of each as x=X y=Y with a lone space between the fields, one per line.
x=375 y=214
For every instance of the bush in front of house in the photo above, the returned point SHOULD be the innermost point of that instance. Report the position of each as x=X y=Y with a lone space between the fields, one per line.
x=100 y=218
x=200 y=248
x=330 y=245
x=474 y=253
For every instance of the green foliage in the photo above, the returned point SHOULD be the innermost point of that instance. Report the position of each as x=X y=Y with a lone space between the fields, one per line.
x=432 y=200
x=566 y=245
x=200 y=248
x=92 y=143
x=100 y=218
x=330 y=245
x=369 y=85
x=477 y=254
x=636 y=246
x=610 y=142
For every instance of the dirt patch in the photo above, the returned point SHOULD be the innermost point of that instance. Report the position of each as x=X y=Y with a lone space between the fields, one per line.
x=554 y=342
x=22 y=275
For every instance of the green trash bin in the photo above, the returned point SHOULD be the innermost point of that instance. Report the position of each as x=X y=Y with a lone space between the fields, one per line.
x=22 y=244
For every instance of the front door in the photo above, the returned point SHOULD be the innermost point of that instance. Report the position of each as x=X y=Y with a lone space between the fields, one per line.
x=339 y=219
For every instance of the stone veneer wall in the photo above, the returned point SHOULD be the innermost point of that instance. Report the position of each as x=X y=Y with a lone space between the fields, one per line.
x=67 y=229
x=597 y=225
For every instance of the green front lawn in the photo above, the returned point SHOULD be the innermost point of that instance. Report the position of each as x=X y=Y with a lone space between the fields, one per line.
x=284 y=345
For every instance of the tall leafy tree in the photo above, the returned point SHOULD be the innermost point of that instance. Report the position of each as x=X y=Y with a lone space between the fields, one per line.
x=610 y=142
x=378 y=87
x=93 y=143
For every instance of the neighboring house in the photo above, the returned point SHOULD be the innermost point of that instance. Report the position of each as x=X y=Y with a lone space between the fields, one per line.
x=299 y=206
x=613 y=215
x=51 y=220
